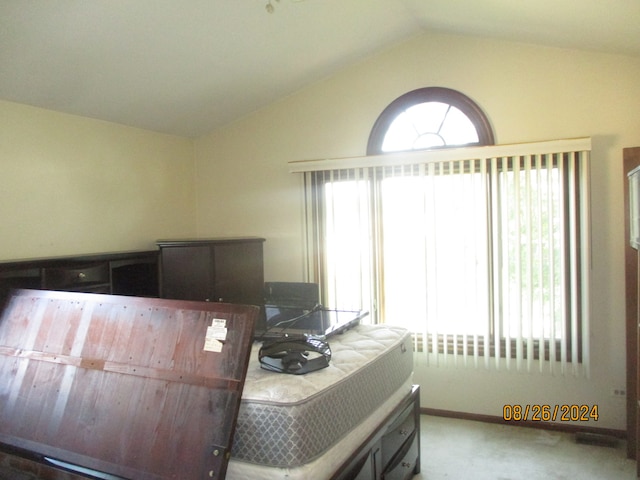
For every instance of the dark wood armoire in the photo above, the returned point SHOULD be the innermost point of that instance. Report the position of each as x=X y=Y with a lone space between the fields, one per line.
x=227 y=270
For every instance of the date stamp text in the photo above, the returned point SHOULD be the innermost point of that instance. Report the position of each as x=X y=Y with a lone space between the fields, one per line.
x=550 y=413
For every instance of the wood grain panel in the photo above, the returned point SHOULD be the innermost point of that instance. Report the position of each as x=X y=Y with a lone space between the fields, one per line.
x=122 y=385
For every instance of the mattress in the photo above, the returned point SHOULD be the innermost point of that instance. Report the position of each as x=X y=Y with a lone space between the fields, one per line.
x=287 y=421
x=325 y=465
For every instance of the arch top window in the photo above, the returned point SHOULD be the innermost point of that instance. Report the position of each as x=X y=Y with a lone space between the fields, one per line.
x=480 y=252
x=432 y=117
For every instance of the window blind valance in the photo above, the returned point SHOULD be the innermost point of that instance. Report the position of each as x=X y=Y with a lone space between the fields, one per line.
x=442 y=155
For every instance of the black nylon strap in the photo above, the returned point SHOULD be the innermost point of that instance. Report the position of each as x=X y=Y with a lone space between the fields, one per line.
x=295 y=355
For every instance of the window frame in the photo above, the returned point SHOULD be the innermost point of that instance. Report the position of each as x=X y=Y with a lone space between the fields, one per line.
x=572 y=356
x=430 y=94
x=461 y=344
x=485 y=137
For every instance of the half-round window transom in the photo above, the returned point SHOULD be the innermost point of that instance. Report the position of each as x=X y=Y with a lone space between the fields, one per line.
x=429 y=118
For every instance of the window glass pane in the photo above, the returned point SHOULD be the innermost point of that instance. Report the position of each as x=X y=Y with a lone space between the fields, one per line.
x=400 y=136
x=428 y=140
x=457 y=129
x=347 y=245
x=427 y=117
x=533 y=238
x=435 y=253
x=428 y=125
x=404 y=276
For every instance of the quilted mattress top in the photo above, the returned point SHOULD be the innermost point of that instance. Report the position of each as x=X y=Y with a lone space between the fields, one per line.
x=351 y=351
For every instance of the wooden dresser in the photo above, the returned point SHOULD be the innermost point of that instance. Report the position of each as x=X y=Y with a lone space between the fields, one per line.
x=214 y=270
x=134 y=273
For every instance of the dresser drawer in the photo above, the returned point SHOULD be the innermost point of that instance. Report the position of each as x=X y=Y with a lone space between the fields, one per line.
x=397 y=434
x=404 y=466
x=85 y=277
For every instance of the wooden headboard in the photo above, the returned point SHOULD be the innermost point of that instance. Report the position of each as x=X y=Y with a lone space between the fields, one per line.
x=140 y=388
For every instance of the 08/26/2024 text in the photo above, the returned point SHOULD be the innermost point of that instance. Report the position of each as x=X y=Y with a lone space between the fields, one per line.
x=550 y=413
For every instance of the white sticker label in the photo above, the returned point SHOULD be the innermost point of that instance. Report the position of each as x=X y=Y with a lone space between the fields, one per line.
x=219 y=322
x=216 y=335
x=212 y=345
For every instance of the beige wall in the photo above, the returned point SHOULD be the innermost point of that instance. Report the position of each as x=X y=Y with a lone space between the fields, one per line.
x=75 y=185
x=71 y=185
x=529 y=93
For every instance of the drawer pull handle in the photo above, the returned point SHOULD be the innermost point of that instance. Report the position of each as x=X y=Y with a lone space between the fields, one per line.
x=404 y=432
x=82 y=275
x=406 y=464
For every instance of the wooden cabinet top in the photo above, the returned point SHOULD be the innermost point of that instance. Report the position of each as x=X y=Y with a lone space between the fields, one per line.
x=206 y=241
x=91 y=257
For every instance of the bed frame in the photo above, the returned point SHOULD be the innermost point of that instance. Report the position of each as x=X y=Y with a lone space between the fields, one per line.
x=392 y=451
x=131 y=387
x=102 y=386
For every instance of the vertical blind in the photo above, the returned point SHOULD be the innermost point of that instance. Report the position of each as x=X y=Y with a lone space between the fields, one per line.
x=482 y=252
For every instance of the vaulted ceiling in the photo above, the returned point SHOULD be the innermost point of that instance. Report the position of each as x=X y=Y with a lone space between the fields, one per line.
x=186 y=67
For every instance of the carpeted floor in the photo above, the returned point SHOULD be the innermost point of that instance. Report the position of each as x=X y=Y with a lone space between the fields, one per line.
x=455 y=449
x=465 y=450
